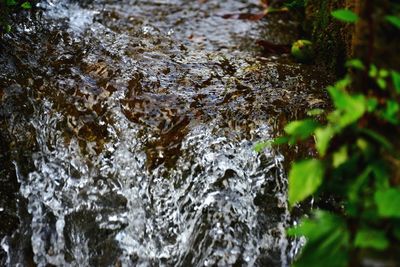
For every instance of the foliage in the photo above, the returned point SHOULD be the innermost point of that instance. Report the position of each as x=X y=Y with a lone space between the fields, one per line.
x=345 y=15
x=325 y=232
x=9 y=6
x=302 y=51
x=352 y=153
x=307 y=175
x=394 y=20
x=356 y=165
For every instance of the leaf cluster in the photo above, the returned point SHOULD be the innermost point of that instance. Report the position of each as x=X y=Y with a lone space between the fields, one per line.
x=9 y=6
x=357 y=163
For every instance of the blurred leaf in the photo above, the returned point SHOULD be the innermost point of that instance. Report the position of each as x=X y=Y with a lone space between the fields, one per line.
x=280 y=140
x=11 y=2
x=8 y=28
x=357 y=184
x=381 y=174
x=351 y=107
x=315 y=112
x=388 y=202
x=323 y=137
x=391 y=112
x=396 y=231
x=340 y=156
x=260 y=146
x=373 y=71
x=327 y=238
x=301 y=129
x=302 y=51
x=345 y=15
x=362 y=144
x=26 y=5
x=396 y=80
x=378 y=138
x=343 y=83
x=355 y=64
x=305 y=177
x=369 y=238
x=334 y=116
x=313 y=228
x=383 y=73
x=381 y=83
x=372 y=103
x=394 y=20
x=339 y=97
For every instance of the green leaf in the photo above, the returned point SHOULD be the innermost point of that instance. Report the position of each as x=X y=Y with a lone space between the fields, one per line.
x=301 y=129
x=373 y=71
x=391 y=112
x=280 y=140
x=26 y=5
x=8 y=28
x=350 y=107
x=396 y=231
x=372 y=103
x=340 y=156
x=343 y=83
x=396 y=81
x=323 y=136
x=305 y=177
x=355 y=64
x=378 y=138
x=357 y=185
x=11 y=2
x=327 y=238
x=369 y=238
x=340 y=97
x=383 y=73
x=302 y=50
x=315 y=112
x=362 y=144
x=394 y=20
x=345 y=15
x=381 y=174
x=317 y=226
x=260 y=146
x=388 y=202
x=381 y=83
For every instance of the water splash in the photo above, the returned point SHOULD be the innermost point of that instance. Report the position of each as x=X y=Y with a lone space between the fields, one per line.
x=144 y=117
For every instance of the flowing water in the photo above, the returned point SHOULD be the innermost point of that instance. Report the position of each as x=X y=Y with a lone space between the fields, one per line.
x=127 y=134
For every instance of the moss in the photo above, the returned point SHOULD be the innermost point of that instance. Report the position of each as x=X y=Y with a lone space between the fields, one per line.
x=332 y=39
x=337 y=41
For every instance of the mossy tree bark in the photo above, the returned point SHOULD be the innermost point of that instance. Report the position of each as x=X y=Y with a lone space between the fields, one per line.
x=372 y=39
x=332 y=39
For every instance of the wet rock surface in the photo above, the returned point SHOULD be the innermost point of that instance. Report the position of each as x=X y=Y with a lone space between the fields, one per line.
x=127 y=133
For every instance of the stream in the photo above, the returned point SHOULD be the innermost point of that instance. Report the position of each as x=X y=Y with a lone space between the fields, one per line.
x=127 y=135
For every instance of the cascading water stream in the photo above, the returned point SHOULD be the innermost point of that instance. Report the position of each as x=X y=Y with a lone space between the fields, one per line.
x=131 y=127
